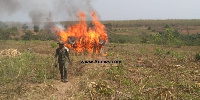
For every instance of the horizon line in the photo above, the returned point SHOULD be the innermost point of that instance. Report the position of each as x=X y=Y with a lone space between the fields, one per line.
x=100 y=20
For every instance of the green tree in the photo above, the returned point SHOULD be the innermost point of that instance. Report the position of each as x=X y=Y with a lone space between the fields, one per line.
x=169 y=34
x=2 y=25
x=6 y=33
x=166 y=26
x=197 y=57
x=166 y=37
x=36 y=28
x=28 y=35
x=24 y=27
x=14 y=28
x=14 y=31
x=156 y=37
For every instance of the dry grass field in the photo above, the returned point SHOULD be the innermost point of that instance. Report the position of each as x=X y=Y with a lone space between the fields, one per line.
x=147 y=72
x=160 y=60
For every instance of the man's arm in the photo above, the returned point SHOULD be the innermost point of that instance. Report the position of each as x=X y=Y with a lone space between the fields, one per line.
x=67 y=53
x=69 y=60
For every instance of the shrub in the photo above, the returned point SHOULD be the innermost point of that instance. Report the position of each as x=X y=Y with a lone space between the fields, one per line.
x=149 y=28
x=7 y=33
x=166 y=26
x=36 y=28
x=122 y=40
x=54 y=45
x=44 y=35
x=2 y=25
x=24 y=27
x=159 y=51
x=28 y=35
x=144 y=40
x=156 y=37
x=197 y=57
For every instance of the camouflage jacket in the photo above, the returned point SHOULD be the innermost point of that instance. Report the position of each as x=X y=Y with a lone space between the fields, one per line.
x=62 y=54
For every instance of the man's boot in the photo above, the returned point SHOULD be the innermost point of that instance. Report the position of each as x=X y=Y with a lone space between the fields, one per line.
x=62 y=78
x=65 y=76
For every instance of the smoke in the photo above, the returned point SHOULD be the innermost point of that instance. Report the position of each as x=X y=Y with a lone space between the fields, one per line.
x=70 y=8
x=9 y=6
x=37 y=17
x=40 y=11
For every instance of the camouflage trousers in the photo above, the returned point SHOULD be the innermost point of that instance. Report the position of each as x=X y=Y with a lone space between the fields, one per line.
x=63 y=68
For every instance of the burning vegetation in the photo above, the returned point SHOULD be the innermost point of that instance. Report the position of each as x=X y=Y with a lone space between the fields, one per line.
x=81 y=38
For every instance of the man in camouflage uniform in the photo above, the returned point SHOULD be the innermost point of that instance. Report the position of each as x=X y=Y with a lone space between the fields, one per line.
x=63 y=59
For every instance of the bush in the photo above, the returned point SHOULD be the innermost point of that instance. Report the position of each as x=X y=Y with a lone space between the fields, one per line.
x=44 y=35
x=197 y=57
x=24 y=27
x=54 y=45
x=40 y=36
x=149 y=28
x=159 y=51
x=36 y=28
x=28 y=35
x=169 y=37
x=144 y=40
x=118 y=38
x=2 y=25
x=122 y=40
x=166 y=26
x=156 y=37
x=7 y=33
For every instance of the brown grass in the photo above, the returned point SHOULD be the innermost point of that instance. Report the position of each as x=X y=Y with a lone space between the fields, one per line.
x=147 y=72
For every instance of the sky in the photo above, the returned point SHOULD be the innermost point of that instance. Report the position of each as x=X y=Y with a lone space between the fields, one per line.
x=111 y=9
x=147 y=9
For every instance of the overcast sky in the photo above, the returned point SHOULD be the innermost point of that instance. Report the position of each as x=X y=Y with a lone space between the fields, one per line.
x=128 y=10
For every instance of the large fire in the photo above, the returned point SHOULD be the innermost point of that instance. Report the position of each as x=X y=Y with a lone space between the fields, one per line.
x=82 y=38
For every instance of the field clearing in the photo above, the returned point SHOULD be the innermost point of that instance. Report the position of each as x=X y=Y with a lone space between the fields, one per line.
x=147 y=71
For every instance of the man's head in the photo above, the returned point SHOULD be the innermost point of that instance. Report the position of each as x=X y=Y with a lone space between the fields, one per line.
x=61 y=44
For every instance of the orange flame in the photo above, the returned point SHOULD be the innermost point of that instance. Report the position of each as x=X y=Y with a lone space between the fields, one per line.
x=80 y=38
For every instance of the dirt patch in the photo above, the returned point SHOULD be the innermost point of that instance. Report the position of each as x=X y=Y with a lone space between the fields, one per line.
x=10 y=53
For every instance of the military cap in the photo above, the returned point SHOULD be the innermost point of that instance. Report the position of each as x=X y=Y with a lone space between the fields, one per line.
x=60 y=42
